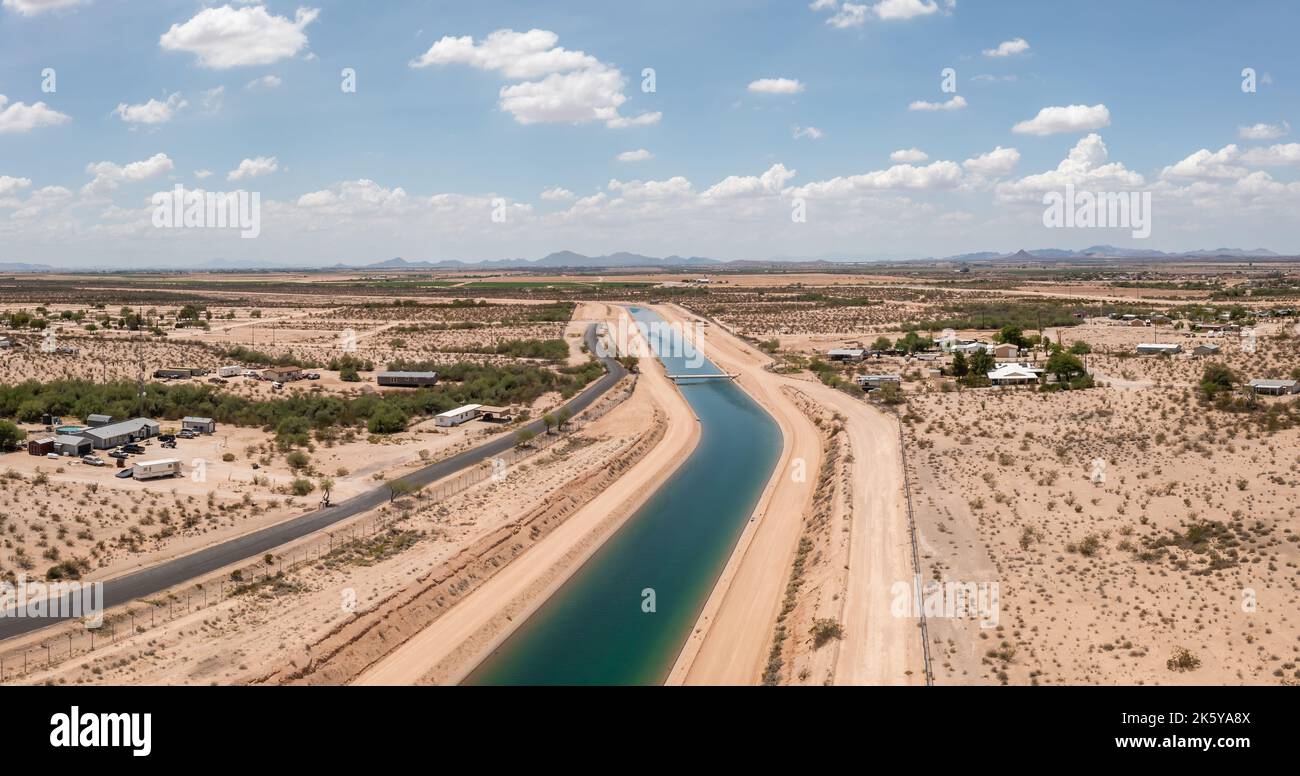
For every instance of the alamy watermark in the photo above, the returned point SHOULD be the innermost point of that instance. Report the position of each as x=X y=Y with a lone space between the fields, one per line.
x=197 y=209
x=946 y=600
x=666 y=340
x=1099 y=210
x=54 y=600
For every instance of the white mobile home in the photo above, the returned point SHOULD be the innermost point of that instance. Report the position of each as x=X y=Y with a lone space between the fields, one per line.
x=152 y=470
x=457 y=416
x=1014 y=374
x=1275 y=387
x=846 y=354
x=230 y=371
x=1156 y=349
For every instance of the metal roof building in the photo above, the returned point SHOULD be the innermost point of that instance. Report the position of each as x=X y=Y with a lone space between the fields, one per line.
x=66 y=444
x=115 y=434
x=1155 y=348
x=195 y=423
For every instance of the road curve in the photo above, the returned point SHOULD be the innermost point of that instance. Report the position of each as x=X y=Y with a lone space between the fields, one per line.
x=157 y=578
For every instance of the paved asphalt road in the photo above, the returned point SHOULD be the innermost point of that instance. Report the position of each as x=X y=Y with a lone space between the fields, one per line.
x=174 y=572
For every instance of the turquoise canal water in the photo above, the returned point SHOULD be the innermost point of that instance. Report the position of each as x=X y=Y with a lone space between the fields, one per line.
x=593 y=630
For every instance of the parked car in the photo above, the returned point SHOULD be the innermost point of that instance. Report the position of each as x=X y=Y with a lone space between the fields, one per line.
x=312 y=375
x=118 y=454
x=124 y=474
x=133 y=448
x=166 y=437
x=170 y=445
x=217 y=381
x=187 y=434
x=92 y=460
x=277 y=385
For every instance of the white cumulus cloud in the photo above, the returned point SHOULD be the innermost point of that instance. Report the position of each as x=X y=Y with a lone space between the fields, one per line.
x=1008 y=48
x=557 y=85
x=228 y=37
x=153 y=111
x=265 y=82
x=776 y=86
x=1070 y=118
x=253 y=168
x=639 y=155
x=557 y=194
x=956 y=103
x=1264 y=131
x=1087 y=166
x=850 y=14
x=34 y=7
x=21 y=117
x=909 y=156
x=994 y=164
x=109 y=175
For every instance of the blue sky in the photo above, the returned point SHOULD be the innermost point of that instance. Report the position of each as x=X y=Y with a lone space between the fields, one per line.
x=1143 y=96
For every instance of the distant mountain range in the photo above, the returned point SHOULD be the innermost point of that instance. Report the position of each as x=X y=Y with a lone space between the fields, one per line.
x=625 y=260
x=558 y=260
x=1112 y=252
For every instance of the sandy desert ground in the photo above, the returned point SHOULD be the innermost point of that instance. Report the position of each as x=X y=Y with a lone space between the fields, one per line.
x=1176 y=565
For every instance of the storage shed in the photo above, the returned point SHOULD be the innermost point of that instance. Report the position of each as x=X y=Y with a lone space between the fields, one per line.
x=202 y=425
x=73 y=445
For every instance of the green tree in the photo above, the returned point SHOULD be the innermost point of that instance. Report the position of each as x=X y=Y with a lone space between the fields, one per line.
x=1216 y=379
x=959 y=366
x=1065 y=366
x=524 y=436
x=914 y=343
x=10 y=434
x=550 y=421
x=399 y=488
x=981 y=363
x=1012 y=335
x=889 y=393
x=387 y=419
x=882 y=343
